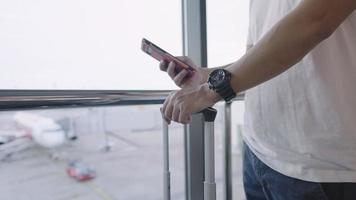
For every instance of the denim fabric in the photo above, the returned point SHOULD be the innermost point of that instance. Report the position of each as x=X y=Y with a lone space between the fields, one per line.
x=263 y=183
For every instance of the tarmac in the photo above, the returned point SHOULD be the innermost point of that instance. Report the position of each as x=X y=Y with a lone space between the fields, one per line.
x=130 y=170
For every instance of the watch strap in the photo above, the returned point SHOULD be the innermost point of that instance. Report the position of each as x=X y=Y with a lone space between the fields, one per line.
x=226 y=92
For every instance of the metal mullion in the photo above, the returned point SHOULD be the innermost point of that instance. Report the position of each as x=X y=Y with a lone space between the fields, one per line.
x=195 y=47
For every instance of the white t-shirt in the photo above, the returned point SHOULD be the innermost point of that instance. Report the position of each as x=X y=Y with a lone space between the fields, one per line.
x=302 y=123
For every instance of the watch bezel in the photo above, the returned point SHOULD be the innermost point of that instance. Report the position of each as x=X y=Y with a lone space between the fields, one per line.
x=213 y=84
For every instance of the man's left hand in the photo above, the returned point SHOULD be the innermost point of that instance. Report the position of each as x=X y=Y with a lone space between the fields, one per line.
x=181 y=104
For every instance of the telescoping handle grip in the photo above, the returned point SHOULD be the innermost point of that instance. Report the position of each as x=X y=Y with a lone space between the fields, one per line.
x=209 y=114
x=209 y=160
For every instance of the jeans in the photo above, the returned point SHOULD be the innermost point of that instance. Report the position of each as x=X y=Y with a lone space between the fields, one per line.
x=263 y=183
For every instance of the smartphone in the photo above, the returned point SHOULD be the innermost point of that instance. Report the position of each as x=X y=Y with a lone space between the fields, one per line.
x=160 y=54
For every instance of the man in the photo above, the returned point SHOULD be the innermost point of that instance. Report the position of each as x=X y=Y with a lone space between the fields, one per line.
x=300 y=130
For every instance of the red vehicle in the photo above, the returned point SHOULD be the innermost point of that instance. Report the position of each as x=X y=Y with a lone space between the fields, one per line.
x=80 y=172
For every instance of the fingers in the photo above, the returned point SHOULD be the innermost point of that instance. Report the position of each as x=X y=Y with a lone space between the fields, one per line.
x=178 y=79
x=163 y=65
x=164 y=117
x=184 y=117
x=177 y=73
x=175 y=114
x=172 y=110
x=167 y=109
x=171 y=70
x=168 y=112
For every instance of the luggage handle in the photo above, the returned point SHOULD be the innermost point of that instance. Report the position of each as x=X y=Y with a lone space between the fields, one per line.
x=209 y=182
x=209 y=157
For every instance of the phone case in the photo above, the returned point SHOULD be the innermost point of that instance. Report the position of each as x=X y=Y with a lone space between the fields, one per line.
x=160 y=54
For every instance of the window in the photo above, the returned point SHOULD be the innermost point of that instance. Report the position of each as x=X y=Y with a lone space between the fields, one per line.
x=227 y=24
x=74 y=44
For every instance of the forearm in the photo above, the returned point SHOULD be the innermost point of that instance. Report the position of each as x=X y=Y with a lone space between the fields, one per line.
x=283 y=46
x=207 y=71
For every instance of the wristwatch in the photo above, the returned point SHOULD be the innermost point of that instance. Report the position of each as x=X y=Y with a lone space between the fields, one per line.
x=219 y=81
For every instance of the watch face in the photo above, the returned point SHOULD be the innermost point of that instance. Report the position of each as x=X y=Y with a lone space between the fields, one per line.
x=217 y=78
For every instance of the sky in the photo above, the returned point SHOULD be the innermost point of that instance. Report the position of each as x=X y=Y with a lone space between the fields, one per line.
x=92 y=44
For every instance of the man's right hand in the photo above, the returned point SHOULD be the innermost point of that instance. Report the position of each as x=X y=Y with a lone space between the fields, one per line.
x=184 y=78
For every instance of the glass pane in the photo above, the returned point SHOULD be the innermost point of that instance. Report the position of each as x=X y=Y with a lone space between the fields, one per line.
x=122 y=145
x=227 y=27
x=92 y=44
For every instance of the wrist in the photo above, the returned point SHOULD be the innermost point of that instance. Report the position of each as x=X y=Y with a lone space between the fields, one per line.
x=210 y=94
x=204 y=72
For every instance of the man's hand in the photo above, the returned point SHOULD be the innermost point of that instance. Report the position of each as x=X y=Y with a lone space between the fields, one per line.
x=185 y=79
x=181 y=104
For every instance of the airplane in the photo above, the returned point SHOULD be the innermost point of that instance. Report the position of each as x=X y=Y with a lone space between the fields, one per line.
x=42 y=130
x=50 y=134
